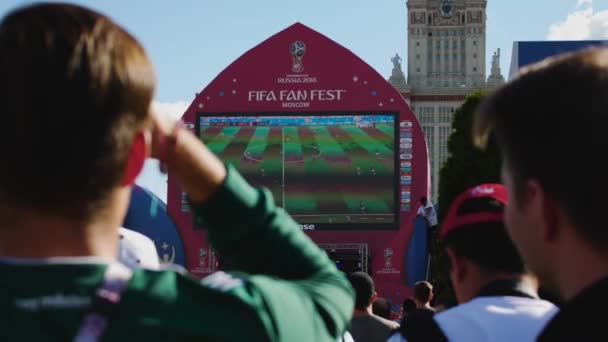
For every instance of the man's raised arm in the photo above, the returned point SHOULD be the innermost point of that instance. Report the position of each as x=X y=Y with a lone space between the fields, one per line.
x=302 y=293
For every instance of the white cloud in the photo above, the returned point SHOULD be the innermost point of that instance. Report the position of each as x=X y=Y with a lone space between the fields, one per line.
x=599 y=25
x=174 y=110
x=584 y=2
x=581 y=24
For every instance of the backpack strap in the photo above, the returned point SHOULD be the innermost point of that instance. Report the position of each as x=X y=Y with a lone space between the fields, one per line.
x=105 y=302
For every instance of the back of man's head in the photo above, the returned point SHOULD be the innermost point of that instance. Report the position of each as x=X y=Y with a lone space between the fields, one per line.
x=424 y=200
x=382 y=307
x=75 y=88
x=364 y=289
x=408 y=305
x=423 y=292
x=474 y=230
x=563 y=100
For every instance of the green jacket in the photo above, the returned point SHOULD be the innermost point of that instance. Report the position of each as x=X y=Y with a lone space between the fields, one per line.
x=286 y=289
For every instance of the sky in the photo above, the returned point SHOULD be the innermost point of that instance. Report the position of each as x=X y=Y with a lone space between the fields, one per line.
x=191 y=41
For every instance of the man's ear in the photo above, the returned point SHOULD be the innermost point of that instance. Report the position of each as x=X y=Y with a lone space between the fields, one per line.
x=137 y=156
x=374 y=297
x=459 y=267
x=545 y=208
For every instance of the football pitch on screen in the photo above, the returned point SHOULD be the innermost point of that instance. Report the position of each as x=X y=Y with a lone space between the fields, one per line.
x=326 y=173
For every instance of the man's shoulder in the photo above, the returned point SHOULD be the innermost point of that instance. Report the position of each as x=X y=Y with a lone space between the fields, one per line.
x=155 y=300
x=388 y=323
x=147 y=288
x=371 y=328
x=575 y=325
x=419 y=325
x=522 y=305
x=502 y=317
x=374 y=321
x=176 y=283
x=575 y=321
x=425 y=311
x=501 y=306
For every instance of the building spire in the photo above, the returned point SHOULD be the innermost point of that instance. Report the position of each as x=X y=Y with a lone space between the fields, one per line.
x=397 y=78
x=496 y=77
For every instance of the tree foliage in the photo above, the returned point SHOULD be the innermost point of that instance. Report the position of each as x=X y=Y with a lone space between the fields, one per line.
x=465 y=167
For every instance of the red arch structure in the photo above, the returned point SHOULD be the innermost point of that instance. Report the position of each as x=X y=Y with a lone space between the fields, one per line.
x=301 y=75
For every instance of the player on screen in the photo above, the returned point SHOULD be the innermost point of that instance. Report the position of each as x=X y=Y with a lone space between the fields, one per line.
x=362 y=207
x=373 y=170
x=358 y=171
x=316 y=152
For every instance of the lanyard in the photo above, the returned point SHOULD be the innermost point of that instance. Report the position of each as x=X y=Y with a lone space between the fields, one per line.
x=106 y=300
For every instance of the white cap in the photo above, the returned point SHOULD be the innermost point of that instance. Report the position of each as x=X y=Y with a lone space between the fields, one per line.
x=136 y=250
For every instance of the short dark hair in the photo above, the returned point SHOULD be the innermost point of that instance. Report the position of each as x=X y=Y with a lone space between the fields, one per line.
x=408 y=305
x=382 y=307
x=424 y=200
x=364 y=288
x=549 y=124
x=423 y=291
x=75 y=88
x=485 y=244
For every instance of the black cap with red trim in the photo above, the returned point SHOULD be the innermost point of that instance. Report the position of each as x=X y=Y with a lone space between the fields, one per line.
x=455 y=219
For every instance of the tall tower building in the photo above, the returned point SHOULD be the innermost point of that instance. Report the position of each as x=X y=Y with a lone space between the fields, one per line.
x=446 y=61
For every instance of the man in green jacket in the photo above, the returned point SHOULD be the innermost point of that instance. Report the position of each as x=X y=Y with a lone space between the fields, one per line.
x=75 y=93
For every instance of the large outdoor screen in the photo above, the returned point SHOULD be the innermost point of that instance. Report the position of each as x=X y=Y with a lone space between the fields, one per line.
x=328 y=170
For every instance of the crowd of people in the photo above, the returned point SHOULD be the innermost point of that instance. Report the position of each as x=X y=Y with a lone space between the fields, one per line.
x=64 y=193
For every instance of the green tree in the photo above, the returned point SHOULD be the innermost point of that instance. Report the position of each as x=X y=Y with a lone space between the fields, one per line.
x=465 y=167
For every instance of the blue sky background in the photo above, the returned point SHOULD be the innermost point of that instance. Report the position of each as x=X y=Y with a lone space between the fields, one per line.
x=191 y=41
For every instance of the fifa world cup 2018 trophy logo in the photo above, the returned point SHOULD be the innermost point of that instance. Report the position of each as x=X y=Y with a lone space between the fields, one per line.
x=297 y=49
x=388 y=256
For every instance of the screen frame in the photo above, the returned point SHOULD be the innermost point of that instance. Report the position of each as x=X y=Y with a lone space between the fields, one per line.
x=395 y=225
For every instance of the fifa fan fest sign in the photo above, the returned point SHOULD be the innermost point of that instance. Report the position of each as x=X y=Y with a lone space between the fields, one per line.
x=335 y=143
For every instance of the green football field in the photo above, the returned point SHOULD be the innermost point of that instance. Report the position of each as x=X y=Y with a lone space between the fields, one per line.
x=329 y=174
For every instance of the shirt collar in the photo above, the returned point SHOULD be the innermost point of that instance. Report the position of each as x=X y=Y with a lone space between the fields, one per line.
x=508 y=287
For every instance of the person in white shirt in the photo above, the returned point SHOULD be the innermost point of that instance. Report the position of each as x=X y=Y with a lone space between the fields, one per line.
x=427 y=211
x=498 y=298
